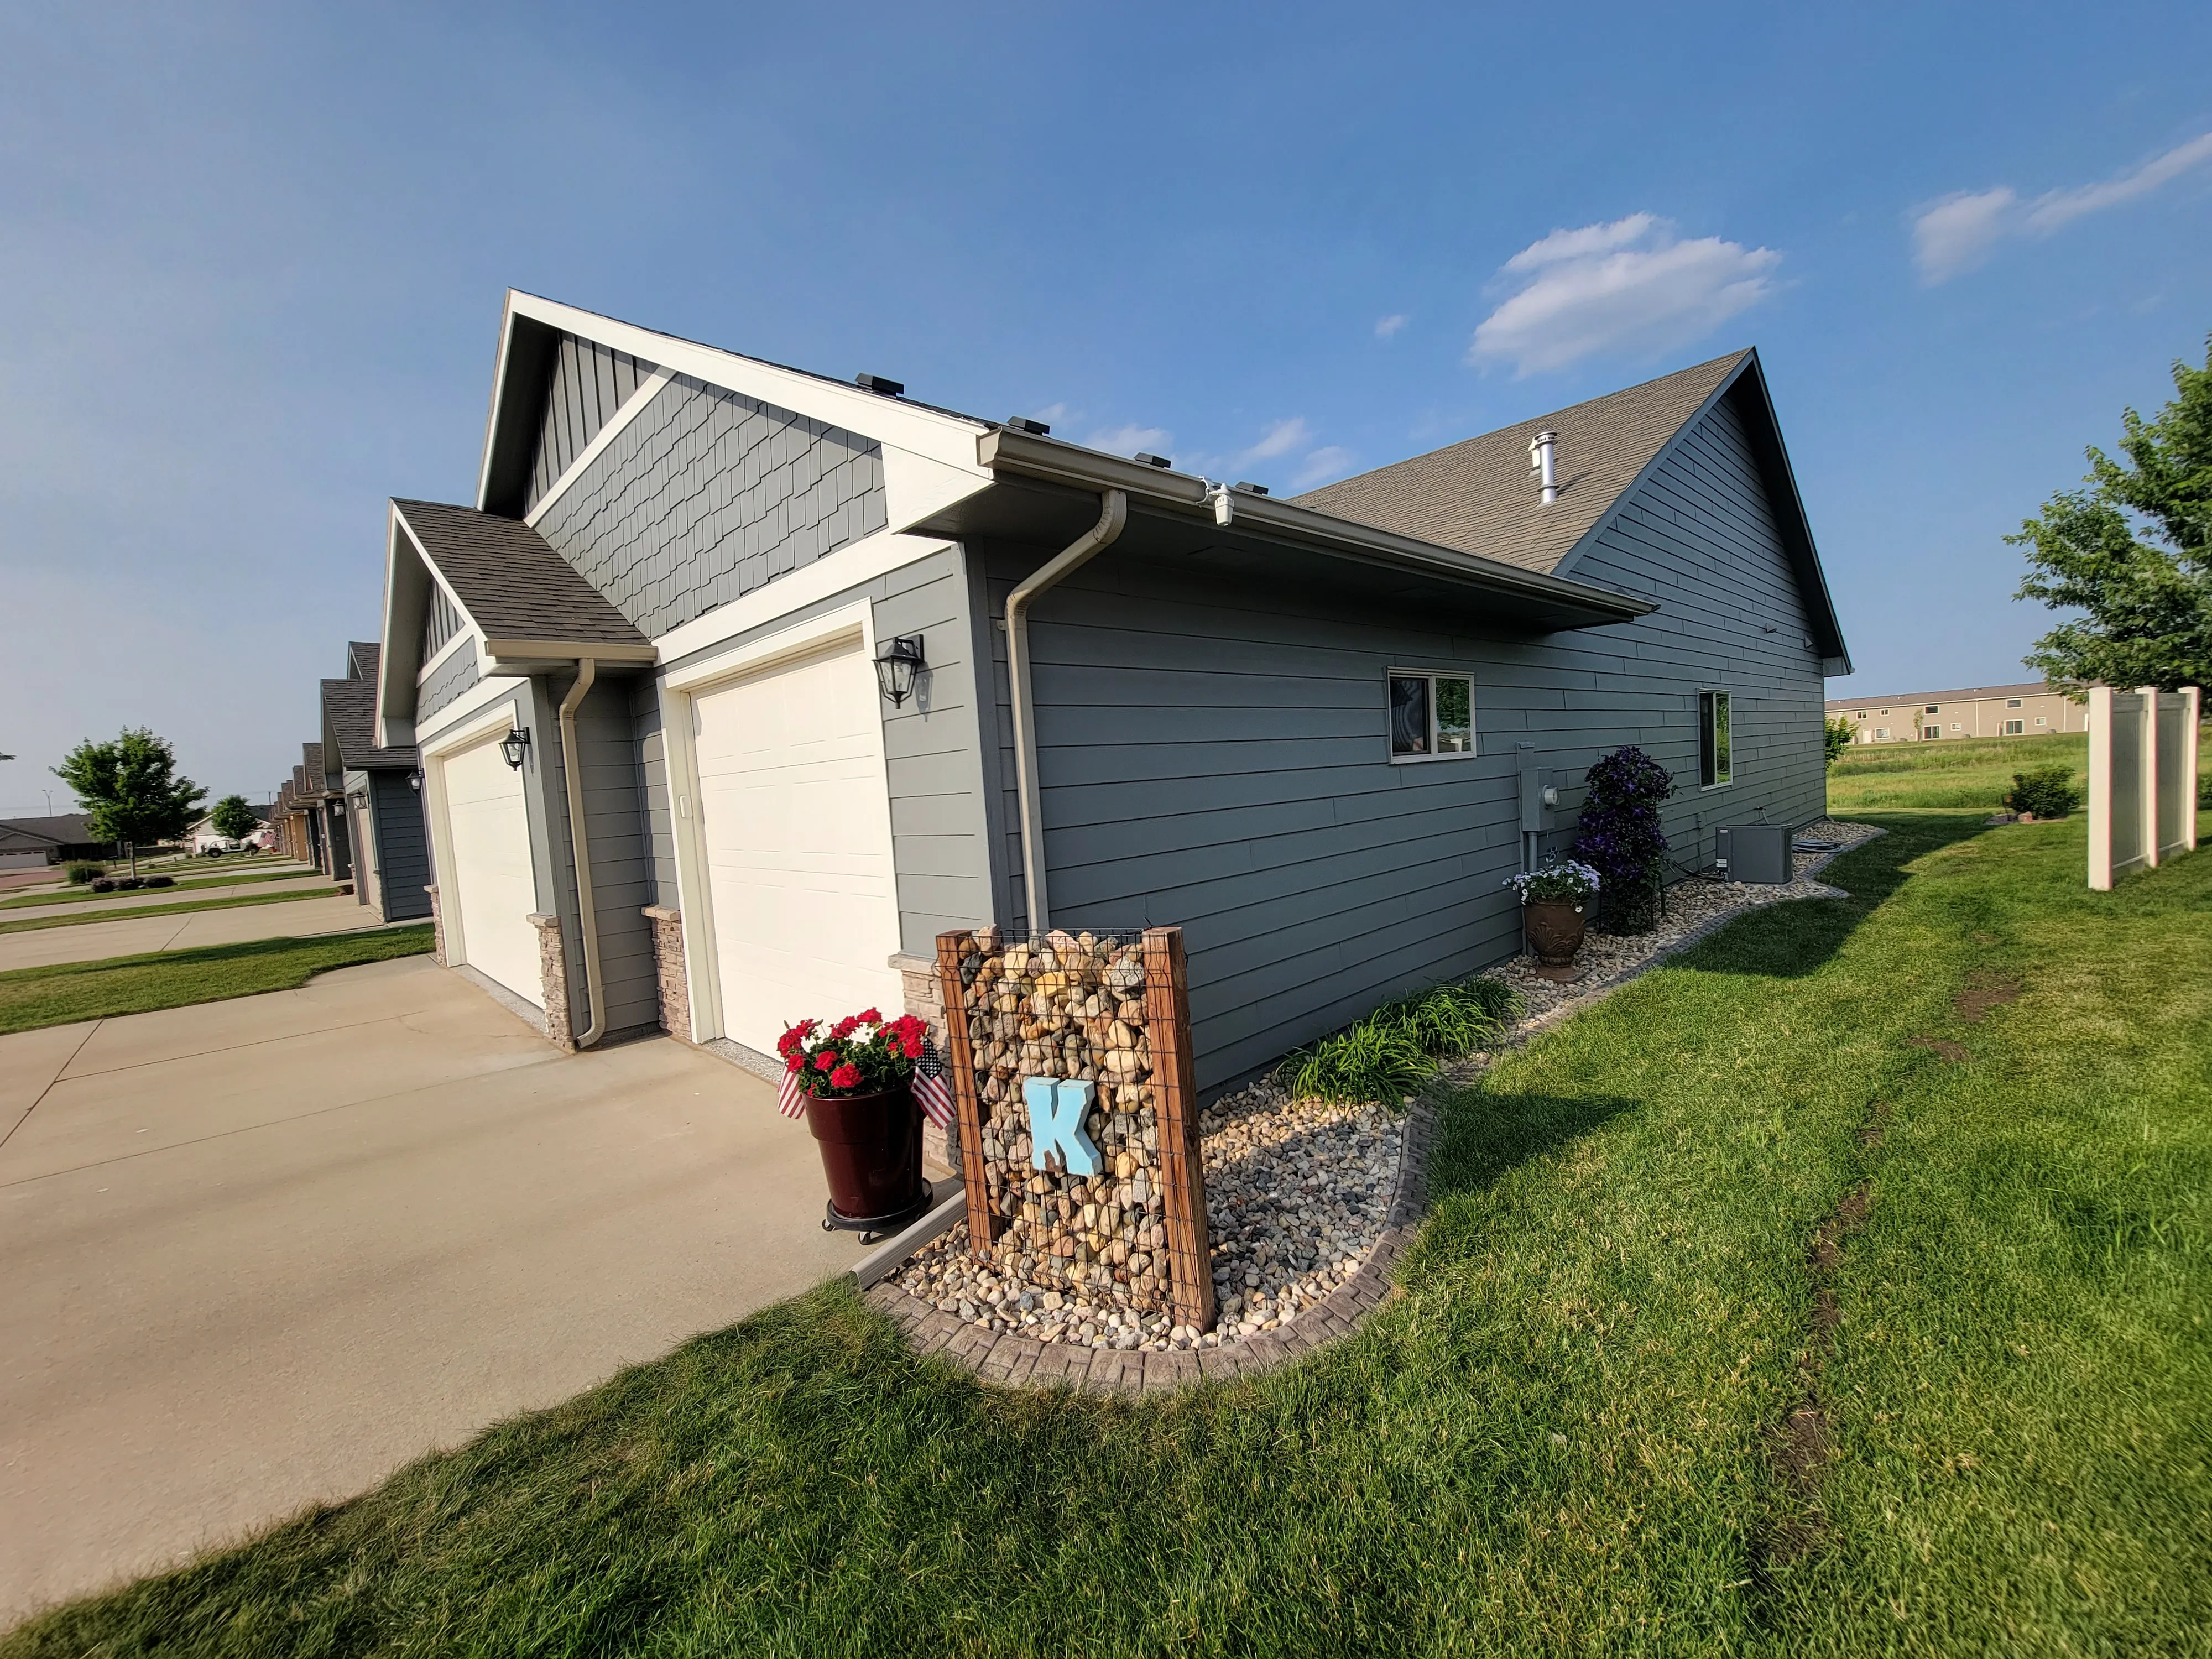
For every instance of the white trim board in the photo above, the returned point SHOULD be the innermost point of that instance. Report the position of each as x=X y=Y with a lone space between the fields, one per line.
x=481 y=695
x=632 y=407
x=850 y=566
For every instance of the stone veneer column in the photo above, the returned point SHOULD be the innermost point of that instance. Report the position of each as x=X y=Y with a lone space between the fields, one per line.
x=668 y=966
x=437 y=928
x=553 y=973
x=926 y=1002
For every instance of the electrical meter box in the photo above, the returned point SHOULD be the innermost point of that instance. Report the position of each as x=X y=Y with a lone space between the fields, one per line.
x=1755 y=852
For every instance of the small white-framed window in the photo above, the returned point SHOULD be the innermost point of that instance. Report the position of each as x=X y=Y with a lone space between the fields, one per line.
x=1431 y=716
x=1929 y=733
x=2012 y=702
x=1859 y=715
x=1716 y=741
x=2015 y=728
x=2039 y=720
x=1955 y=727
x=1933 y=708
x=1882 y=731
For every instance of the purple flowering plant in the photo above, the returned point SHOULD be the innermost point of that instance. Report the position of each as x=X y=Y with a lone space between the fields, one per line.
x=1621 y=836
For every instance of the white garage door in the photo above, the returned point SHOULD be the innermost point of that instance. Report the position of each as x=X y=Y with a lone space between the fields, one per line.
x=490 y=885
x=798 y=837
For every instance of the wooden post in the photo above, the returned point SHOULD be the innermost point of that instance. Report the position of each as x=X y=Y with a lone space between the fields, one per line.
x=1175 y=1093
x=966 y=1098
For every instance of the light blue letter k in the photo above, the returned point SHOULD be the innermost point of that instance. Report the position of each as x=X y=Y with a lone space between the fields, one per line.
x=1057 y=1109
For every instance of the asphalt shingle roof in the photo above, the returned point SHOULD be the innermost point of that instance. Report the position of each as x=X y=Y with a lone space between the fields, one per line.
x=349 y=715
x=509 y=579
x=1479 y=497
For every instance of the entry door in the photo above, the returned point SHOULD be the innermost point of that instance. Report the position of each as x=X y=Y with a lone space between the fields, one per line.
x=795 y=825
x=490 y=885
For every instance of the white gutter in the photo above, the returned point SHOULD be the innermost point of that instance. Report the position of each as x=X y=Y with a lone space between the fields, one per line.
x=1113 y=513
x=587 y=671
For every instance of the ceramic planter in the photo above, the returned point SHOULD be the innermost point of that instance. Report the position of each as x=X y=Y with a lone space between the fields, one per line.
x=1554 y=929
x=871 y=1147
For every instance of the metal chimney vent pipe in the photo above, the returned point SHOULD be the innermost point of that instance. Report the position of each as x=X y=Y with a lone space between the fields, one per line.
x=1542 y=448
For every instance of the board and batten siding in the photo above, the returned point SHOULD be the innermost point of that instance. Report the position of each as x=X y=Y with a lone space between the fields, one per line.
x=1214 y=753
x=705 y=495
x=932 y=751
x=589 y=383
x=403 y=850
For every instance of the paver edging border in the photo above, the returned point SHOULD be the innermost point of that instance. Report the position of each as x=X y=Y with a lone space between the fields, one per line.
x=1010 y=1359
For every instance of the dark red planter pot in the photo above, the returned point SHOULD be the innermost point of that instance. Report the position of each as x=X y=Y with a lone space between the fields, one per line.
x=871 y=1147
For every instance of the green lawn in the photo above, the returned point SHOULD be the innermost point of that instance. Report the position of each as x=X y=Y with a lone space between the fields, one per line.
x=31 y=997
x=1957 y=772
x=82 y=895
x=1562 y=1438
x=132 y=912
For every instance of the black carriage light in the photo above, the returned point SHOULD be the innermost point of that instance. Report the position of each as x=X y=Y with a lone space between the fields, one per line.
x=895 y=668
x=415 y=779
x=514 y=746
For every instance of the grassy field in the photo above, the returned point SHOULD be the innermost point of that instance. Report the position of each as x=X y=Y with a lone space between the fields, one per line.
x=82 y=895
x=1957 y=772
x=31 y=997
x=132 y=912
x=1565 y=1436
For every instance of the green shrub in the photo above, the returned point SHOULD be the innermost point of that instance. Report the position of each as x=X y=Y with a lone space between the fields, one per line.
x=82 y=872
x=1391 y=1053
x=2048 y=792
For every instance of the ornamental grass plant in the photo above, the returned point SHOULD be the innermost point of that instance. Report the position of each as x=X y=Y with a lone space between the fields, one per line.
x=1395 y=1049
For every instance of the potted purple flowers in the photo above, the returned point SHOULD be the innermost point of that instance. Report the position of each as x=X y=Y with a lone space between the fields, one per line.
x=1555 y=903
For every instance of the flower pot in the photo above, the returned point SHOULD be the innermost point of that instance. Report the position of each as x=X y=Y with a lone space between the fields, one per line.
x=1555 y=928
x=871 y=1147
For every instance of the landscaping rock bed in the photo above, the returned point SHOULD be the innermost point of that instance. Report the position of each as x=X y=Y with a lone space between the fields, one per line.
x=1300 y=1193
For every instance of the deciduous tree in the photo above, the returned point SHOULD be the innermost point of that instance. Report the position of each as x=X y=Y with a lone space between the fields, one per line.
x=131 y=788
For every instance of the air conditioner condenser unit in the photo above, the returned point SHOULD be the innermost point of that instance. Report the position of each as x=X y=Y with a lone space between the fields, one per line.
x=1754 y=851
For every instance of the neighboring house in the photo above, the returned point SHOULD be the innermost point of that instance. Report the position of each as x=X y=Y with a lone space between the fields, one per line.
x=377 y=791
x=1315 y=732
x=2033 y=710
x=29 y=843
x=289 y=818
x=321 y=791
x=204 y=837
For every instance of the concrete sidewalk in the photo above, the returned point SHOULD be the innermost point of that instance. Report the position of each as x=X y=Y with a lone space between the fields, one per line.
x=263 y=1252
x=130 y=936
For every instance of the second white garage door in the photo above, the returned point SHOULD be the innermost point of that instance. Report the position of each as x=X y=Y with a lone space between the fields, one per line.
x=796 y=829
x=490 y=884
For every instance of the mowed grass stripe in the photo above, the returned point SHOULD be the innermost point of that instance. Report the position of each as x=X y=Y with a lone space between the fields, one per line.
x=84 y=896
x=131 y=912
x=60 y=995
x=1556 y=1441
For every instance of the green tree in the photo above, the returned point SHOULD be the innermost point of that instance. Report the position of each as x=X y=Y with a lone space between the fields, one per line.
x=233 y=819
x=1838 y=734
x=131 y=789
x=2133 y=552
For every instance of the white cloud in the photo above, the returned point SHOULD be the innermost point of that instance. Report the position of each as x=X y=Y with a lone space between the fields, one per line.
x=1129 y=440
x=1626 y=285
x=1325 y=463
x=1052 y=414
x=1959 y=232
x=1280 y=438
x=1386 y=327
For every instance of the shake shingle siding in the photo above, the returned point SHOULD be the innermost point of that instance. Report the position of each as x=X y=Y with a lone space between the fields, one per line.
x=707 y=494
x=447 y=681
x=1214 y=752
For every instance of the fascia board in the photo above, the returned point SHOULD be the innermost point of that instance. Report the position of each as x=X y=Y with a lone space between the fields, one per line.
x=864 y=561
x=646 y=392
x=945 y=438
x=498 y=392
x=389 y=678
x=1069 y=464
x=496 y=650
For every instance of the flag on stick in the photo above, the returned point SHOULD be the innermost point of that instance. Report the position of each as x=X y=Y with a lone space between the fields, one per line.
x=931 y=1091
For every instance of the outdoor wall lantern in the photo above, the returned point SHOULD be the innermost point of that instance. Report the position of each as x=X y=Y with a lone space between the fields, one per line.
x=415 y=779
x=895 y=668
x=514 y=746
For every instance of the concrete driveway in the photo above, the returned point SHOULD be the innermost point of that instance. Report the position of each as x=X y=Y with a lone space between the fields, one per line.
x=130 y=936
x=261 y=1253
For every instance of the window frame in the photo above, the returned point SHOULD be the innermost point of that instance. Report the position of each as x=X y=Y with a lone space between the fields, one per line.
x=1431 y=675
x=2015 y=728
x=1710 y=699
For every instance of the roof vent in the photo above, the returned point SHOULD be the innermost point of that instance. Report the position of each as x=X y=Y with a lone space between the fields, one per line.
x=1022 y=423
x=1145 y=457
x=877 y=383
x=1251 y=488
x=1541 y=462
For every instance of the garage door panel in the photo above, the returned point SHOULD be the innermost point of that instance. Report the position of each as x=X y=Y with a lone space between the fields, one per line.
x=797 y=837
x=493 y=886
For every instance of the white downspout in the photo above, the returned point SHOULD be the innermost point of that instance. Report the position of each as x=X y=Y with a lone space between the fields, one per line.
x=587 y=671
x=1113 y=513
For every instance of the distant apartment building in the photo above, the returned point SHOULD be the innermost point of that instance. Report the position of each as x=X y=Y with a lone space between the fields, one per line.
x=2033 y=710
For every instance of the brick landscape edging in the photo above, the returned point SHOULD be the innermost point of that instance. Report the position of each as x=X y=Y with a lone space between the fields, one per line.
x=1010 y=1359
x=1013 y=1360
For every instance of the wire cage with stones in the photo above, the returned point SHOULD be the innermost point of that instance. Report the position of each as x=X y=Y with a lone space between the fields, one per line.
x=1106 y=1008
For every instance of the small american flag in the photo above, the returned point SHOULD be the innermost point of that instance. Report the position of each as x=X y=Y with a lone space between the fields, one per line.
x=931 y=1091
x=790 y=1098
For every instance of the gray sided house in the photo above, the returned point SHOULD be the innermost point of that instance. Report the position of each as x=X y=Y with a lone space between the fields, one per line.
x=376 y=795
x=1316 y=732
x=319 y=794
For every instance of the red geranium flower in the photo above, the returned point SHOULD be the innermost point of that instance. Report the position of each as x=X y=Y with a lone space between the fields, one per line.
x=844 y=1028
x=796 y=1062
x=871 y=1017
x=847 y=1076
x=913 y=1046
x=825 y=1060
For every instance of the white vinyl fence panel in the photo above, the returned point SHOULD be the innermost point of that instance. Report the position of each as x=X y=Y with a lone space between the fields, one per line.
x=2142 y=779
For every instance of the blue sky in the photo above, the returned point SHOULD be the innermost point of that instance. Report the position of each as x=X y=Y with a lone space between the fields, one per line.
x=252 y=261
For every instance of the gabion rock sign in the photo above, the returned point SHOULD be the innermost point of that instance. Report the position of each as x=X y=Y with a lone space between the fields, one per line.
x=1071 y=1063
